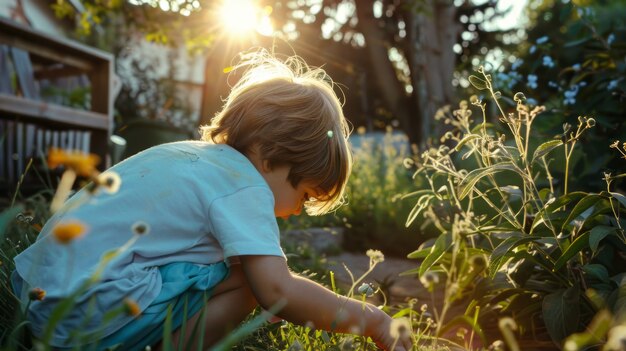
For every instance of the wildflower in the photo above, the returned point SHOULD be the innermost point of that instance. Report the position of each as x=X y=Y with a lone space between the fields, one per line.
x=532 y=49
x=375 y=256
x=131 y=307
x=399 y=328
x=83 y=164
x=616 y=339
x=532 y=81
x=547 y=61
x=366 y=289
x=66 y=232
x=570 y=96
x=582 y=83
x=576 y=67
x=612 y=85
x=37 y=294
x=552 y=84
x=140 y=228
x=497 y=345
x=542 y=40
x=424 y=308
x=517 y=64
x=429 y=279
x=532 y=101
x=109 y=181
x=610 y=39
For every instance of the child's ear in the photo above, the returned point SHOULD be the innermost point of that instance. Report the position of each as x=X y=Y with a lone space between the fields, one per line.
x=266 y=166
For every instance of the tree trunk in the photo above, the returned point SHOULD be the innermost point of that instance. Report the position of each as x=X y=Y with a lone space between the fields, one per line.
x=384 y=74
x=431 y=34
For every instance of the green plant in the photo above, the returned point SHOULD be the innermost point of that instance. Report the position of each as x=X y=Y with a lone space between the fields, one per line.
x=516 y=241
x=375 y=212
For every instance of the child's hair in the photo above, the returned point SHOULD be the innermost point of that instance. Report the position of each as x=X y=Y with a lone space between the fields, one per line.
x=292 y=114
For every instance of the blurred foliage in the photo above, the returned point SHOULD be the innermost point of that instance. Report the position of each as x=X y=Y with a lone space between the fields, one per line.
x=375 y=214
x=574 y=62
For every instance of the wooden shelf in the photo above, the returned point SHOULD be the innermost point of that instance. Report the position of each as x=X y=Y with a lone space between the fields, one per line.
x=25 y=119
x=50 y=114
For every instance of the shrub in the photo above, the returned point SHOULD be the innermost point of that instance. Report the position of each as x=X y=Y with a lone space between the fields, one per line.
x=515 y=240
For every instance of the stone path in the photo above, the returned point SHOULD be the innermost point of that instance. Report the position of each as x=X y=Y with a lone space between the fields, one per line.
x=387 y=273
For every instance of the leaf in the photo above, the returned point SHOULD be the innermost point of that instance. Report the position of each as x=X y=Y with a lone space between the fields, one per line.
x=479 y=127
x=421 y=204
x=545 y=148
x=478 y=83
x=554 y=205
x=504 y=251
x=561 y=312
x=421 y=253
x=597 y=234
x=466 y=140
x=619 y=197
x=597 y=271
x=576 y=42
x=468 y=183
x=8 y=216
x=442 y=244
x=577 y=246
x=415 y=193
x=583 y=205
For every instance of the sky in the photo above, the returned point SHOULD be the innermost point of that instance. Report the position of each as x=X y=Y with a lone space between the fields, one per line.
x=514 y=18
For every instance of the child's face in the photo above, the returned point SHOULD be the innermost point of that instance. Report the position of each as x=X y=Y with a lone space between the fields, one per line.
x=288 y=200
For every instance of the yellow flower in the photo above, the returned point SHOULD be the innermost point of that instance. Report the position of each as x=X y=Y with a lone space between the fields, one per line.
x=37 y=294
x=83 y=164
x=131 y=307
x=66 y=232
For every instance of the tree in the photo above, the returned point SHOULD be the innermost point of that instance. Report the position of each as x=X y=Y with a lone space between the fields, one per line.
x=395 y=57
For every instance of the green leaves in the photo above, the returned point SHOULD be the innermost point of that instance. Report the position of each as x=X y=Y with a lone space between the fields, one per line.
x=597 y=234
x=478 y=83
x=561 y=313
x=577 y=246
x=585 y=204
x=468 y=183
x=545 y=148
x=442 y=244
x=503 y=251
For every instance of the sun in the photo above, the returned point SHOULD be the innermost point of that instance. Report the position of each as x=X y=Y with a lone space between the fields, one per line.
x=243 y=17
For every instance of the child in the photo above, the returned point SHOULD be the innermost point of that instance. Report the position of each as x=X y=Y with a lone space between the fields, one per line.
x=196 y=220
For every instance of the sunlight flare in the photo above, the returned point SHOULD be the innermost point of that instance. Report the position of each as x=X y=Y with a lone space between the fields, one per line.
x=243 y=17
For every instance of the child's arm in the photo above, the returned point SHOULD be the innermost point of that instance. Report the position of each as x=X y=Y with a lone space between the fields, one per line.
x=272 y=283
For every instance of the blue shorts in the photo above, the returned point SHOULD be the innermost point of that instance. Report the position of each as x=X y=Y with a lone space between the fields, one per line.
x=182 y=283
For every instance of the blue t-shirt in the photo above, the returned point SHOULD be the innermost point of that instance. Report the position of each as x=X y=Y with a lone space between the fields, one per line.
x=203 y=203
